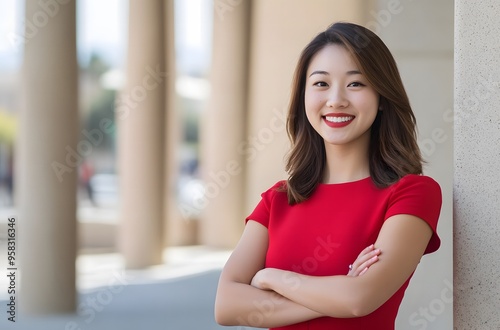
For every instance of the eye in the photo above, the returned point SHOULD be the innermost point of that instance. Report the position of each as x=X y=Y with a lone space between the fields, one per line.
x=320 y=84
x=356 y=84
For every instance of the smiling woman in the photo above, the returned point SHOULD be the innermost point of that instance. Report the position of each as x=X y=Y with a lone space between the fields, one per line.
x=355 y=181
x=337 y=97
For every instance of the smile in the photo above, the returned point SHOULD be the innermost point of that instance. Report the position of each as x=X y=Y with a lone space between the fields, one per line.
x=338 y=121
x=332 y=119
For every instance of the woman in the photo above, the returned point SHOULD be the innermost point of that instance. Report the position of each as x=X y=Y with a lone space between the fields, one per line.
x=355 y=180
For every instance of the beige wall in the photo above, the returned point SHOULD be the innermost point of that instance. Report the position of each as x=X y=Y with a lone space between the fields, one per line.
x=420 y=35
x=280 y=30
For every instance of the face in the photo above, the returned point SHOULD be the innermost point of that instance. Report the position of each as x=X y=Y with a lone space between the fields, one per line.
x=340 y=103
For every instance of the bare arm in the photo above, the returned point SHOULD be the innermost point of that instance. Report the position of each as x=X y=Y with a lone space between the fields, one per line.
x=239 y=303
x=402 y=240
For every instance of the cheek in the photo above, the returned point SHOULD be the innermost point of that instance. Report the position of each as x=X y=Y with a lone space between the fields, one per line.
x=310 y=112
x=369 y=104
x=307 y=103
x=312 y=103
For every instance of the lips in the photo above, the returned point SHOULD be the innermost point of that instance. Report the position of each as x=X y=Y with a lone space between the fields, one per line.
x=337 y=120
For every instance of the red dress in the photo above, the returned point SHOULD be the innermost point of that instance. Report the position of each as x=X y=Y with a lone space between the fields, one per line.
x=324 y=234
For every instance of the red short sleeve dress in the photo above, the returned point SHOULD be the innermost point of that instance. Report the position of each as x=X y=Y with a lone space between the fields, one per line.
x=324 y=234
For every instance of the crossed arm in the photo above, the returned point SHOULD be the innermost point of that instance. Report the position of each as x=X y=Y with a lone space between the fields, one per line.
x=249 y=294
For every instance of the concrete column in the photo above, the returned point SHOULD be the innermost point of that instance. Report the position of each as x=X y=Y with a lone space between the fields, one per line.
x=177 y=229
x=476 y=192
x=140 y=116
x=280 y=29
x=223 y=128
x=47 y=159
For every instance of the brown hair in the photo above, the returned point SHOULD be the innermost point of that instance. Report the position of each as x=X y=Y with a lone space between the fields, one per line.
x=393 y=150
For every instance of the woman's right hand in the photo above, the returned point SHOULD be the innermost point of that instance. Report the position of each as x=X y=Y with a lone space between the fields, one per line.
x=365 y=259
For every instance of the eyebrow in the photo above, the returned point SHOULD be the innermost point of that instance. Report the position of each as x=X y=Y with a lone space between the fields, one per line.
x=349 y=73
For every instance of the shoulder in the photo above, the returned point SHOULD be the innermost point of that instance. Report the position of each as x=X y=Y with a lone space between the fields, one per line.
x=417 y=179
x=276 y=189
x=417 y=184
x=279 y=186
x=417 y=191
x=418 y=195
x=262 y=211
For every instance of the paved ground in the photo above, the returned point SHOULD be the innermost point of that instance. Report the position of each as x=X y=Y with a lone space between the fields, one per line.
x=180 y=304
x=178 y=295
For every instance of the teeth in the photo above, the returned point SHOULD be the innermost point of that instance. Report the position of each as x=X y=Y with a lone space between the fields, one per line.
x=339 y=119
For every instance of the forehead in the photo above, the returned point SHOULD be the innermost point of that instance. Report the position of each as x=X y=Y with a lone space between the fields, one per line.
x=332 y=58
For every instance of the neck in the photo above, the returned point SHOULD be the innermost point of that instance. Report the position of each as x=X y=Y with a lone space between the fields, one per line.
x=346 y=163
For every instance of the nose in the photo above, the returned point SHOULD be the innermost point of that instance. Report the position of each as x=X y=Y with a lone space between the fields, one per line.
x=336 y=98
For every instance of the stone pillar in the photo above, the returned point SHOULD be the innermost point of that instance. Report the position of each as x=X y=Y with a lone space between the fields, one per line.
x=280 y=29
x=476 y=190
x=223 y=128
x=47 y=161
x=177 y=229
x=140 y=116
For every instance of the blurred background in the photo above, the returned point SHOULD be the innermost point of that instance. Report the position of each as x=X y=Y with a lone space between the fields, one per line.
x=135 y=136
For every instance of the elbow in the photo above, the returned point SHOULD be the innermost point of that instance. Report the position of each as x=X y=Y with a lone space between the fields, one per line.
x=363 y=305
x=361 y=310
x=222 y=313
x=353 y=305
x=221 y=318
x=227 y=304
x=347 y=310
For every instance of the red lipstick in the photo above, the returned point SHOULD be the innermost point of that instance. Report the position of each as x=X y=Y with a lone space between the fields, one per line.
x=337 y=120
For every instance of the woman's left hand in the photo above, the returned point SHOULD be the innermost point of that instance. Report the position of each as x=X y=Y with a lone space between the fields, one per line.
x=365 y=259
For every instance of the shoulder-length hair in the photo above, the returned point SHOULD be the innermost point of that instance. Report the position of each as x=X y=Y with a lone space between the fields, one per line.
x=393 y=150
